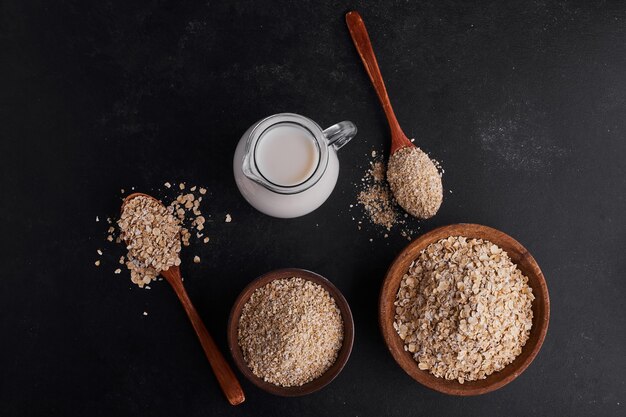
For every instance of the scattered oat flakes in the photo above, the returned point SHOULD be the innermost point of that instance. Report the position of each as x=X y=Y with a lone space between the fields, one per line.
x=145 y=313
x=181 y=207
x=196 y=259
x=228 y=218
x=185 y=236
x=99 y=252
x=206 y=239
x=117 y=271
x=97 y=263
x=379 y=206
x=97 y=219
x=376 y=197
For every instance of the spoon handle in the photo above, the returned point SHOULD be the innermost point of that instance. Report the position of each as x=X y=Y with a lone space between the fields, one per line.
x=364 y=47
x=223 y=372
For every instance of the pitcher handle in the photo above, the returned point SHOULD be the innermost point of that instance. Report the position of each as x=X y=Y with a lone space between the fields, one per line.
x=340 y=134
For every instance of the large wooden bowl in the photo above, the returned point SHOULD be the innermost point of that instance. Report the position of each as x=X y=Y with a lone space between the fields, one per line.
x=540 y=306
x=344 y=352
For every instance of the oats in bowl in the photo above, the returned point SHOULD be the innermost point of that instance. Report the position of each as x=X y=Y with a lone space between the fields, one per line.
x=463 y=309
x=290 y=331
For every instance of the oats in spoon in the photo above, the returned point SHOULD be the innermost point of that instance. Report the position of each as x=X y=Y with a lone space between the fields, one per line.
x=152 y=236
x=463 y=309
x=415 y=182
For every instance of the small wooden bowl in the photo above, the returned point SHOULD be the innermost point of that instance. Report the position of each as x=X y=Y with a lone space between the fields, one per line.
x=344 y=352
x=540 y=306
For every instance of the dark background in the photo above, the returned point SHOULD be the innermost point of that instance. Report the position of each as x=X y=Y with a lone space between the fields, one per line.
x=524 y=104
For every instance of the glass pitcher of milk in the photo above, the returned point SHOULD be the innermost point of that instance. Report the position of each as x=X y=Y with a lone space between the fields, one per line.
x=286 y=166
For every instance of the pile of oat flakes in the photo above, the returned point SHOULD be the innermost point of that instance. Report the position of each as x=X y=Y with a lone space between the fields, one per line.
x=290 y=331
x=463 y=309
x=151 y=234
x=380 y=209
x=415 y=181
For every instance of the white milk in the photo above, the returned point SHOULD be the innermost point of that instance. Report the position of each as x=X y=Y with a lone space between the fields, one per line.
x=286 y=154
x=286 y=166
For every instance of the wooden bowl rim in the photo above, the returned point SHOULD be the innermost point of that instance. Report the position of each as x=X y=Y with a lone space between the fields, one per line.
x=344 y=352
x=496 y=380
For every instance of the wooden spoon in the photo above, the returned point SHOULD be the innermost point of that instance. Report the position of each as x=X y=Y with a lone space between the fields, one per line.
x=412 y=175
x=364 y=47
x=225 y=376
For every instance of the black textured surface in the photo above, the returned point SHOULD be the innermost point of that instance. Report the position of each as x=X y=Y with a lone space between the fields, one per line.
x=524 y=104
